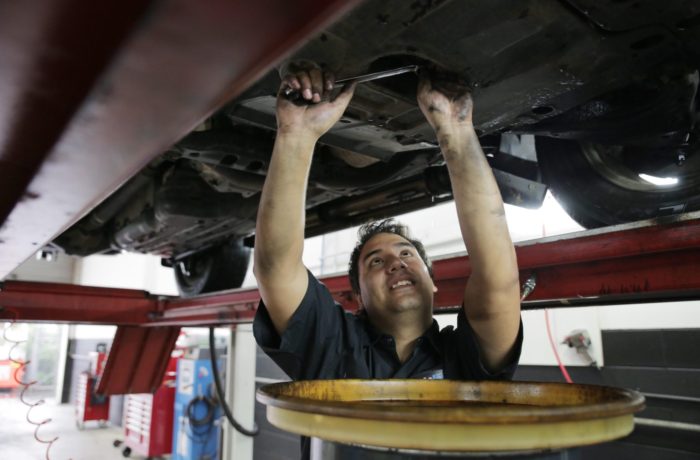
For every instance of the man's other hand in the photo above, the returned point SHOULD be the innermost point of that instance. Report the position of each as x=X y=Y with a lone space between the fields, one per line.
x=445 y=105
x=317 y=110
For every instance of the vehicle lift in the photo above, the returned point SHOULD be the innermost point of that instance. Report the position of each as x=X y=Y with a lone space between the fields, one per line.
x=650 y=261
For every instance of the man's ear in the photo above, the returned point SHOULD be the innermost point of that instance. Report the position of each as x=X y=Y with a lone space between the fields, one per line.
x=358 y=297
x=434 y=288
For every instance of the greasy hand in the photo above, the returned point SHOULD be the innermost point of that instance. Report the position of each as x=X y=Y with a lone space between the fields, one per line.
x=320 y=113
x=444 y=109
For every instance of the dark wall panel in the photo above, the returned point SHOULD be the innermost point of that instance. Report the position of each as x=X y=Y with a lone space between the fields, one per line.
x=652 y=348
x=661 y=381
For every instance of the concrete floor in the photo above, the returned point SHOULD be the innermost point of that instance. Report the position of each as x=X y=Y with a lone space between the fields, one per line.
x=17 y=435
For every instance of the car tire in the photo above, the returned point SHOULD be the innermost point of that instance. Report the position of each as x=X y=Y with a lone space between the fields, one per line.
x=215 y=269
x=596 y=190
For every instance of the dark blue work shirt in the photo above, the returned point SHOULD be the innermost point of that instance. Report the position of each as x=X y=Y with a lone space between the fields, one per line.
x=323 y=341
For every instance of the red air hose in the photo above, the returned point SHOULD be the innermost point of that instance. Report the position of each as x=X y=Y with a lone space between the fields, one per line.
x=554 y=348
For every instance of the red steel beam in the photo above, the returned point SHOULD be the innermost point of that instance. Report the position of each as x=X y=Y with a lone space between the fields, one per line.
x=29 y=301
x=632 y=263
x=53 y=54
x=638 y=262
x=92 y=91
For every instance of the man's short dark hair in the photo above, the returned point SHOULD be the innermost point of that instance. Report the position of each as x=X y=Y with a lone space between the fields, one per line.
x=366 y=232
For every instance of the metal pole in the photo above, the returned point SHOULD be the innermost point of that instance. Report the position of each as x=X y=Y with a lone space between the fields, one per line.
x=240 y=391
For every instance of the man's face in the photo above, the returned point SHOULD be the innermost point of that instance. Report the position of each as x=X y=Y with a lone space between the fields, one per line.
x=393 y=277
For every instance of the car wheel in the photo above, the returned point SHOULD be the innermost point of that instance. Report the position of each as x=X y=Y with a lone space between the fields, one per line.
x=597 y=185
x=215 y=269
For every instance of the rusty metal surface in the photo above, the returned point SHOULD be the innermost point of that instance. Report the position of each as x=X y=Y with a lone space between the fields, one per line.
x=91 y=92
x=628 y=264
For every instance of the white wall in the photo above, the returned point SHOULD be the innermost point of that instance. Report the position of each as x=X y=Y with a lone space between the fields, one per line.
x=537 y=349
x=438 y=229
x=676 y=315
x=130 y=271
x=59 y=270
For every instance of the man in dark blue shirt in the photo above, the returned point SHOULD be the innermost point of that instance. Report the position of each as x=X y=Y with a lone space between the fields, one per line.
x=309 y=336
x=322 y=341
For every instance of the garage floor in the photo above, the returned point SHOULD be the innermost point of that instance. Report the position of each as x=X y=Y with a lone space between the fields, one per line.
x=17 y=435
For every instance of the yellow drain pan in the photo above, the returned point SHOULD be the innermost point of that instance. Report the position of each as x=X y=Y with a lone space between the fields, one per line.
x=449 y=415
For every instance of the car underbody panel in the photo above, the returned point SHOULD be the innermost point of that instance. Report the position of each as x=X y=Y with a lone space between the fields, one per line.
x=615 y=85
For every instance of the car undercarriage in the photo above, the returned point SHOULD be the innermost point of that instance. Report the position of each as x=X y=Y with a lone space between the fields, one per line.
x=593 y=101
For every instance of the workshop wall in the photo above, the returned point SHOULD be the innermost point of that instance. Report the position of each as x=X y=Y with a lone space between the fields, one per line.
x=130 y=271
x=663 y=365
x=60 y=269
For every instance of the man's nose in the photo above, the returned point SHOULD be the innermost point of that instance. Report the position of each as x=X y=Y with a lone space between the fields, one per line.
x=396 y=263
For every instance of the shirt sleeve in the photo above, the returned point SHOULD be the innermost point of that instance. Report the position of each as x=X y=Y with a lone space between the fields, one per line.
x=467 y=354
x=310 y=347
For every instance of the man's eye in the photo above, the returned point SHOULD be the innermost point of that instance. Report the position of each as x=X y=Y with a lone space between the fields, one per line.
x=375 y=262
x=406 y=253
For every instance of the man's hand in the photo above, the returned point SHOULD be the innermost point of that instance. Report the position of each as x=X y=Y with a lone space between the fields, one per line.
x=279 y=235
x=318 y=111
x=444 y=106
x=491 y=297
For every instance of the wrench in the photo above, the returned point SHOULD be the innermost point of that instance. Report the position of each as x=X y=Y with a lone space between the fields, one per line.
x=295 y=96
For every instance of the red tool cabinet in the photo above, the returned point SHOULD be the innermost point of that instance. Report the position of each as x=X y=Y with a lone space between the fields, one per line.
x=148 y=419
x=88 y=405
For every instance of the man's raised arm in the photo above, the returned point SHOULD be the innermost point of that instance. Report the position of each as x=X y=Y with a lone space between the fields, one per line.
x=491 y=297
x=279 y=233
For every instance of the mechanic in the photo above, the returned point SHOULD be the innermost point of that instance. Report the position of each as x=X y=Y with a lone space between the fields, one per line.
x=310 y=336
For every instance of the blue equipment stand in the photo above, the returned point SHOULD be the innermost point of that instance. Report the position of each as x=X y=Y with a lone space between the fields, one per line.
x=196 y=426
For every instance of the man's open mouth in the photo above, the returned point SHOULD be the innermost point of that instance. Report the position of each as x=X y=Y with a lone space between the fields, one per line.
x=402 y=283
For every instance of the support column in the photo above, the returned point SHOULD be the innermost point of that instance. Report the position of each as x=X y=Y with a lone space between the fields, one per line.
x=63 y=368
x=240 y=392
